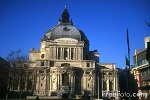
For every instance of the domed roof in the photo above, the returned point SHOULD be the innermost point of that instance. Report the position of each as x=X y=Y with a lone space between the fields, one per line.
x=60 y=31
x=65 y=29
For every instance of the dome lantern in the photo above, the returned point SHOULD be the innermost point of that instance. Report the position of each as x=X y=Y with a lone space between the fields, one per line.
x=65 y=15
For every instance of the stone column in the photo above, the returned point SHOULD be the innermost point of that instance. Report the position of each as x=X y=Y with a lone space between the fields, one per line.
x=58 y=80
x=68 y=50
x=107 y=84
x=50 y=53
x=54 y=52
x=81 y=53
x=70 y=54
x=77 y=53
x=84 y=81
x=114 y=83
x=69 y=79
x=62 y=53
x=74 y=54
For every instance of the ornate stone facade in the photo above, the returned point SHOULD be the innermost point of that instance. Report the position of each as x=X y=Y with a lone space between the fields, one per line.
x=64 y=66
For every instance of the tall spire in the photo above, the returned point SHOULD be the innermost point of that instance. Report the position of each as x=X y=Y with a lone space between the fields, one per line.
x=65 y=15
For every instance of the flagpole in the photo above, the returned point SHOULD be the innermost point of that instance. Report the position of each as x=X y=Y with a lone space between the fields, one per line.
x=129 y=79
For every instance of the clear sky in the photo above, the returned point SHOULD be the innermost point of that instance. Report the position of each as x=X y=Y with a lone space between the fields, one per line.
x=24 y=22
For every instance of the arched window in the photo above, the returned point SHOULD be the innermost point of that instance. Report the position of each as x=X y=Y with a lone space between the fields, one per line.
x=42 y=56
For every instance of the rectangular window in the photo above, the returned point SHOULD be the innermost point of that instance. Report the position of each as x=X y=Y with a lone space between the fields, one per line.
x=88 y=85
x=42 y=63
x=72 y=53
x=88 y=64
x=59 y=51
x=65 y=53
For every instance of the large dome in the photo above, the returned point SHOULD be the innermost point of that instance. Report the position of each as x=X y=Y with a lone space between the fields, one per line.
x=60 y=31
x=65 y=29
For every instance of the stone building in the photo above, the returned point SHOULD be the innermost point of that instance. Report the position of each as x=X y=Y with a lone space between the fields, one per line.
x=141 y=71
x=64 y=66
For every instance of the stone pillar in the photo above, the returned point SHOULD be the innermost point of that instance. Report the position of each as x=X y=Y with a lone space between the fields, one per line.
x=50 y=53
x=74 y=54
x=70 y=79
x=68 y=50
x=62 y=53
x=114 y=83
x=107 y=84
x=102 y=86
x=84 y=81
x=81 y=53
x=58 y=80
x=54 y=52
x=70 y=53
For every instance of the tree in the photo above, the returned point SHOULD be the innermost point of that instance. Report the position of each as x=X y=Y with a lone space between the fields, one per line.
x=18 y=71
x=4 y=77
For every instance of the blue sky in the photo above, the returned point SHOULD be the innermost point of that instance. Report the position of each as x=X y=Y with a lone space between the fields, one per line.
x=24 y=22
